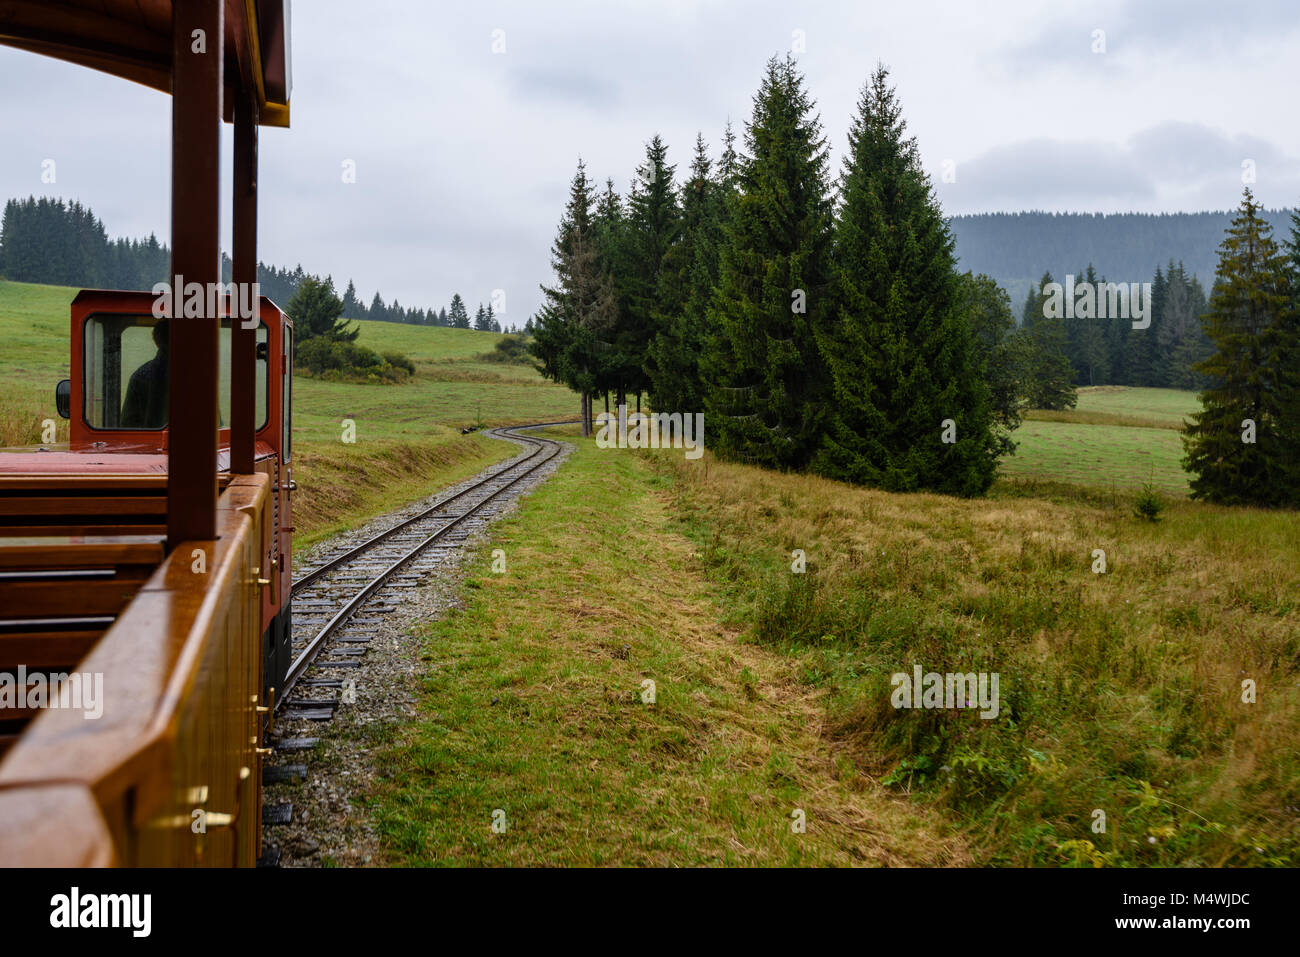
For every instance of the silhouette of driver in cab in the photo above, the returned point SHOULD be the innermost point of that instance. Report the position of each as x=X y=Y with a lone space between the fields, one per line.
x=146 y=393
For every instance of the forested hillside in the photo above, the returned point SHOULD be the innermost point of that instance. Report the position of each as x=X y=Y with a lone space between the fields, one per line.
x=1017 y=248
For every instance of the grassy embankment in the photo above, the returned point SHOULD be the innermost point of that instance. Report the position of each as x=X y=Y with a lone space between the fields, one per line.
x=1121 y=693
x=536 y=706
x=408 y=440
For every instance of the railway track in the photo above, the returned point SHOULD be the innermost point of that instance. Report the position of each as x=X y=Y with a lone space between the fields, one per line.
x=339 y=605
x=338 y=601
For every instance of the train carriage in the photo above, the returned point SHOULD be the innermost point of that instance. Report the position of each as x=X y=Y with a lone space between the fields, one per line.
x=145 y=567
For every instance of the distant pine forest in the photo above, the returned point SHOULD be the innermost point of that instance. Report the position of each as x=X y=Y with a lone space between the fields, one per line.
x=58 y=243
x=64 y=244
x=1015 y=249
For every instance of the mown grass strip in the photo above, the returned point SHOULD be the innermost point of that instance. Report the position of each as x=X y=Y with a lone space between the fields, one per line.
x=534 y=706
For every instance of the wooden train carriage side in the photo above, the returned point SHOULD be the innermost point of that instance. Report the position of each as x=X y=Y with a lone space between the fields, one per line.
x=150 y=566
x=167 y=774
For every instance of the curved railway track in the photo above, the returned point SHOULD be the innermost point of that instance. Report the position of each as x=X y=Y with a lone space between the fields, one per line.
x=335 y=602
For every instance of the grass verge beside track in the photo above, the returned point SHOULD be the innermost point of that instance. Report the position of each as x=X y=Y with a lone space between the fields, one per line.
x=534 y=707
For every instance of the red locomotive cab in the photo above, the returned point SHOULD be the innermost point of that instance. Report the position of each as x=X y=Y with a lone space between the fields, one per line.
x=117 y=401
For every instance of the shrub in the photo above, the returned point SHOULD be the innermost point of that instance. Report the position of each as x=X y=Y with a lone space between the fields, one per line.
x=399 y=361
x=337 y=360
x=509 y=348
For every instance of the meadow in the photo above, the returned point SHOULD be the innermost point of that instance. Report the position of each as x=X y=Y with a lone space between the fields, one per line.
x=1116 y=438
x=1148 y=709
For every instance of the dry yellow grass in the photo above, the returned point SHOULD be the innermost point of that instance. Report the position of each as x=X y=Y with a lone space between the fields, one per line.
x=1112 y=683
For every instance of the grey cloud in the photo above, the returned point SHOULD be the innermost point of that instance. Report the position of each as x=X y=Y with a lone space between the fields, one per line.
x=1141 y=30
x=1184 y=165
x=566 y=86
x=1043 y=173
x=464 y=157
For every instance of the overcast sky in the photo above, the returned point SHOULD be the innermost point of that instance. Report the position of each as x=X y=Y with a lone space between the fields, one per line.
x=463 y=156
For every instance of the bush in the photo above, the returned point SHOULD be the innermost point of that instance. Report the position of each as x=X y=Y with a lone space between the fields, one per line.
x=399 y=361
x=510 y=348
x=333 y=359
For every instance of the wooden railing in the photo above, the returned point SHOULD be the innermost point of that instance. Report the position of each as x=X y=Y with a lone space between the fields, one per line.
x=169 y=775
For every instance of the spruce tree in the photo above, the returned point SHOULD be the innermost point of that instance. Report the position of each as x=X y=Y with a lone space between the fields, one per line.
x=768 y=383
x=689 y=273
x=1181 y=339
x=1001 y=353
x=1148 y=366
x=609 y=233
x=1091 y=357
x=351 y=308
x=652 y=229
x=457 y=314
x=579 y=309
x=728 y=162
x=317 y=311
x=1289 y=367
x=910 y=407
x=1047 y=379
x=1241 y=445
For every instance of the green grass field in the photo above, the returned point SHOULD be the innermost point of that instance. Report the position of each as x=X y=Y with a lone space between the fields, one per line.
x=1170 y=406
x=537 y=706
x=1098 y=455
x=34 y=326
x=1116 y=438
x=1120 y=691
x=452 y=387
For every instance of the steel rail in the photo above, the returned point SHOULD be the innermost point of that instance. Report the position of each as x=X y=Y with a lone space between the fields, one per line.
x=365 y=546
x=308 y=655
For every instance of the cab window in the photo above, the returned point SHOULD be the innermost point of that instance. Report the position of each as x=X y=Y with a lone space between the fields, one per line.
x=126 y=372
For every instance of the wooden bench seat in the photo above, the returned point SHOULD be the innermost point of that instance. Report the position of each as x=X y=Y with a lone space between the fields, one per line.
x=74 y=551
x=22 y=552
x=83 y=512
x=59 y=504
x=49 y=576
x=58 y=595
x=49 y=642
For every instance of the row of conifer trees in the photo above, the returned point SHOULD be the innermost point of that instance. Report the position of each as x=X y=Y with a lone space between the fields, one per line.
x=825 y=326
x=817 y=328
